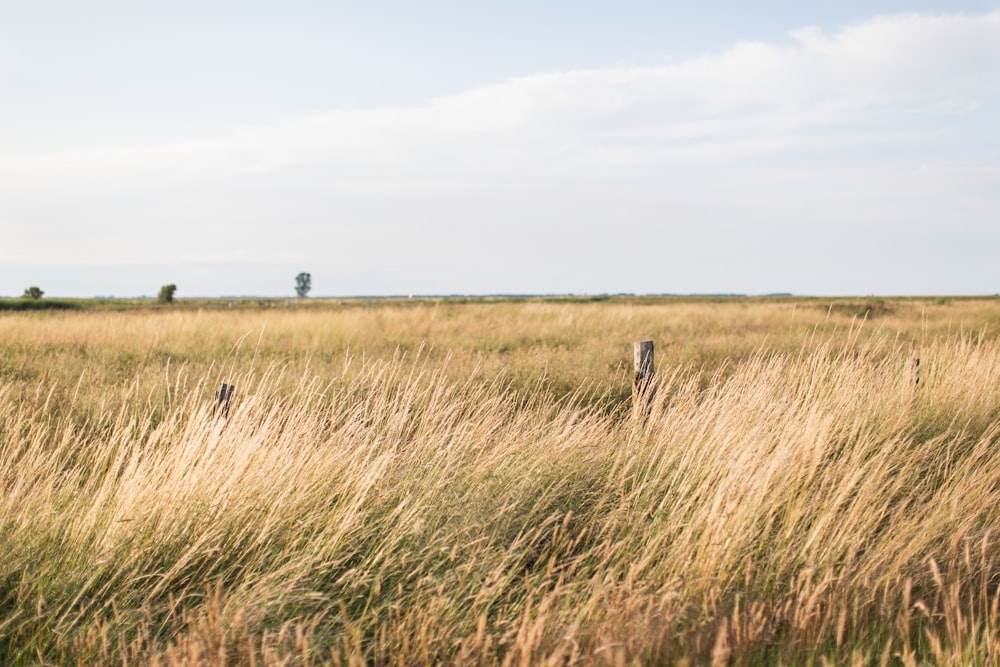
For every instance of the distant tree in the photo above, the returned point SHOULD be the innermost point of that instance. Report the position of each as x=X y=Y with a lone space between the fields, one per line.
x=166 y=294
x=303 y=283
x=33 y=293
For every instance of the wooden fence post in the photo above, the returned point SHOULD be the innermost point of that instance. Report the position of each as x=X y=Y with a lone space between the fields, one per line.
x=224 y=398
x=644 y=379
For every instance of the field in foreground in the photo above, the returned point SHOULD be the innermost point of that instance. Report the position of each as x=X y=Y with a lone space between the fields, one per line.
x=470 y=483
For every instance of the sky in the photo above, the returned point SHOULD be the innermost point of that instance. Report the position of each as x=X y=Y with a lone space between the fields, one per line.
x=459 y=147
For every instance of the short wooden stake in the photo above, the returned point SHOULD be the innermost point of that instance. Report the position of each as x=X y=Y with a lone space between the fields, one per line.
x=224 y=398
x=644 y=378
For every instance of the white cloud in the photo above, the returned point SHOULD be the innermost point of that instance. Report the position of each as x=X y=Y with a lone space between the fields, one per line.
x=752 y=97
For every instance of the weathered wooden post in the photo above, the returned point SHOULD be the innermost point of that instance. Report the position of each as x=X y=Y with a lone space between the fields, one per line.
x=644 y=379
x=224 y=398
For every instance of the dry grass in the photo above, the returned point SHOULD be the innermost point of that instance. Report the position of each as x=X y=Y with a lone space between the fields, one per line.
x=792 y=494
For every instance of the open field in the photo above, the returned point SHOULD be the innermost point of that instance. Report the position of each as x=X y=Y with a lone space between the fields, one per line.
x=468 y=482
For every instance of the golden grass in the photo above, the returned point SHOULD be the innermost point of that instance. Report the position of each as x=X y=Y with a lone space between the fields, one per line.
x=469 y=484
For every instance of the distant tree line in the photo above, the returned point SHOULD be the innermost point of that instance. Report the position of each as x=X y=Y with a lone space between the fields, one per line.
x=303 y=283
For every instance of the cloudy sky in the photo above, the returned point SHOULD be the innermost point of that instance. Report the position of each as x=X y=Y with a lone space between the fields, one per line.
x=441 y=147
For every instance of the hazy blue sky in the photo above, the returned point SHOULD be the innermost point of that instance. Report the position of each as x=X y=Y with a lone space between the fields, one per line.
x=515 y=147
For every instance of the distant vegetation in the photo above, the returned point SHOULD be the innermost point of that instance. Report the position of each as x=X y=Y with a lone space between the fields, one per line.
x=867 y=309
x=303 y=283
x=39 y=304
x=166 y=293
x=431 y=482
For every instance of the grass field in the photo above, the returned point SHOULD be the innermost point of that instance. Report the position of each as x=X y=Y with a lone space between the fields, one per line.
x=442 y=481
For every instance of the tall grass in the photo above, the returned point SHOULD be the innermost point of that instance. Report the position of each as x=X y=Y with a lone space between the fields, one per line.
x=804 y=502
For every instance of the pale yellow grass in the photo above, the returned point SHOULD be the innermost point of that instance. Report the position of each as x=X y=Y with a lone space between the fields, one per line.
x=805 y=501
